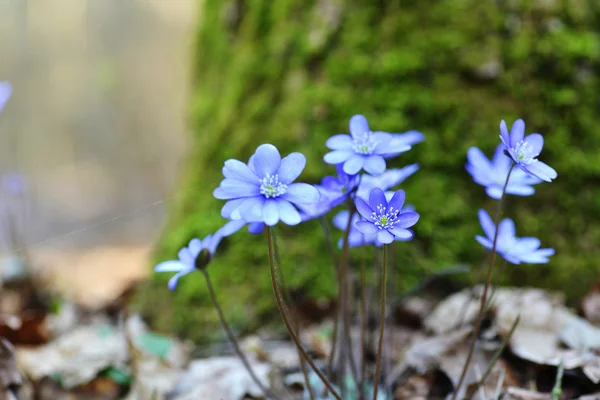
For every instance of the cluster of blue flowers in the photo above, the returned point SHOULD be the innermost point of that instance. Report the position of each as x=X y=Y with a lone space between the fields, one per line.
x=264 y=191
x=501 y=177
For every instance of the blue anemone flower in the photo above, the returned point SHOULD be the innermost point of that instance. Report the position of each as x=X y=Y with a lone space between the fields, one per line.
x=362 y=149
x=385 y=181
x=524 y=150
x=513 y=249
x=5 y=92
x=356 y=238
x=195 y=255
x=333 y=190
x=493 y=174
x=384 y=218
x=263 y=190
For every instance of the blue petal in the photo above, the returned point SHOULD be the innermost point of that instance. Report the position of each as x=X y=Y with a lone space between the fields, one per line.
x=536 y=142
x=506 y=232
x=375 y=165
x=368 y=228
x=339 y=142
x=169 y=266
x=517 y=132
x=519 y=190
x=385 y=237
x=5 y=92
x=397 y=200
x=235 y=188
x=231 y=227
x=288 y=213
x=401 y=233
x=495 y=192
x=527 y=244
x=186 y=257
x=489 y=228
x=231 y=206
x=220 y=194
x=271 y=212
x=195 y=245
x=213 y=242
x=266 y=160
x=358 y=126
x=301 y=193
x=173 y=281
x=363 y=208
x=240 y=171
x=340 y=220
x=291 y=167
x=377 y=198
x=485 y=242
x=354 y=164
x=478 y=160
x=338 y=156
x=504 y=136
x=409 y=137
x=252 y=209
x=540 y=170
x=256 y=227
x=407 y=219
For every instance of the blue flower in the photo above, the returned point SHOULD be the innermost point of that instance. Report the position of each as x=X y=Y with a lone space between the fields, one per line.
x=524 y=150
x=333 y=191
x=408 y=138
x=362 y=148
x=385 y=219
x=493 y=174
x=513 y=249
x=196 y=255
x=5 y=92
x=385 y=181
x=356 y=238
x=263 y=190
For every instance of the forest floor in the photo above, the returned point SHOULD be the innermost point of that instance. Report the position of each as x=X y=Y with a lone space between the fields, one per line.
x=68 y=335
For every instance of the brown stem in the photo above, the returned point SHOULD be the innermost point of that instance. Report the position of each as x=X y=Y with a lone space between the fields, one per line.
x=296 y=325
x=382 y=323
x=485 y=290
x=363 y=320
x=284 y=316
x=232 y=338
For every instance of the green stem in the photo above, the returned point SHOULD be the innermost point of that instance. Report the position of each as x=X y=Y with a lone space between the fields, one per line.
x=485 y=289
x=382 y=323
x=284 y=316
x=232 y=338
x=295 y=323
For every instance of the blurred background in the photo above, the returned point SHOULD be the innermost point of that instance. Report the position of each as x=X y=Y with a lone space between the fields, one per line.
x=96 y=124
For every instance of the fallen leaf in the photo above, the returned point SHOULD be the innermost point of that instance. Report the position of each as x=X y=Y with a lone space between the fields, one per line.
x=220 y=378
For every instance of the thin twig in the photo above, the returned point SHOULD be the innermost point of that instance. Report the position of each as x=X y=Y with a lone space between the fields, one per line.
x=232 y=338
x=363 y=321
x=494 y=359
x=382 y=323
x=284 y=316
x=485 y=290
x=295 y=323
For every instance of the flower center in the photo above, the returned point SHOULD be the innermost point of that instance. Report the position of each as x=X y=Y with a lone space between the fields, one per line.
x=364 y=144
x=384 y=218
x=525 y=153
x=271 y=187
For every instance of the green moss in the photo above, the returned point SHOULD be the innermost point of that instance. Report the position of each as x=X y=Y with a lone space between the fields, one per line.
x=292 y=72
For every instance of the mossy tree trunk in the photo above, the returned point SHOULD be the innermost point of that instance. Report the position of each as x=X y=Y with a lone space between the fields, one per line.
x=292 y=72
